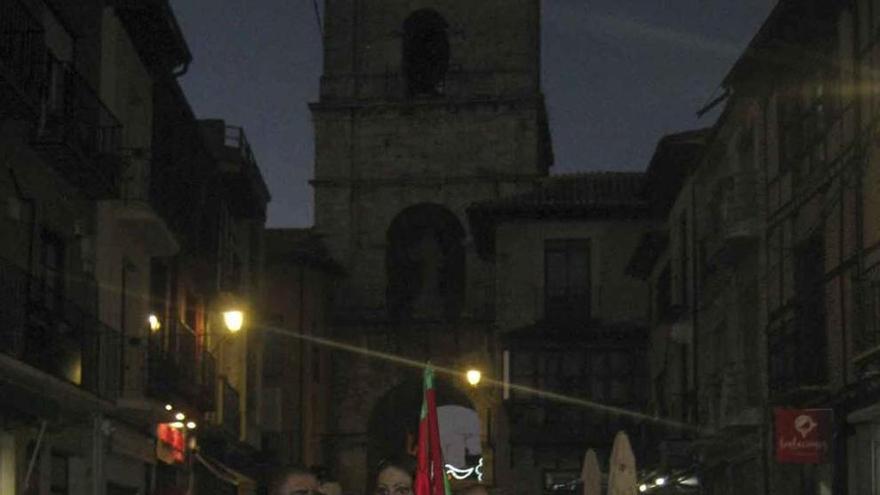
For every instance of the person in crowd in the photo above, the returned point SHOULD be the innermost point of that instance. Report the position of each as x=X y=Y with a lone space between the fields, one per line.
x=328 y=485
x=395 y=476
x=294 y=480
x=330 y=488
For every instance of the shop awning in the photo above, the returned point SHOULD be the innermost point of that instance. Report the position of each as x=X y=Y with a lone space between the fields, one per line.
x=221 y=474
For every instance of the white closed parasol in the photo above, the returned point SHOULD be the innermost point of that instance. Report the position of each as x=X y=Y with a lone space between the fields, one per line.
x=622 y=476
x=591 y=474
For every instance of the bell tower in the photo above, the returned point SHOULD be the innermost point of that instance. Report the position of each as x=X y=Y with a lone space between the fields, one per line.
x=426 y=106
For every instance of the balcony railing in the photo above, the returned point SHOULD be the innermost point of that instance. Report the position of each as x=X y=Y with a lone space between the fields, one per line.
x=236 y=138
x=134 y=180
x=56 y=336
x=733 y=217
x=179 y=366
x=22 y=59
x=866 y=341
x=76 y=132
x=457 y=84
x=798 y=358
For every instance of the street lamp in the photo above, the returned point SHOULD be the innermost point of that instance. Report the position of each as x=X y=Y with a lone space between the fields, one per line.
x=234 y=320
x=473 y=377
x=154 y=322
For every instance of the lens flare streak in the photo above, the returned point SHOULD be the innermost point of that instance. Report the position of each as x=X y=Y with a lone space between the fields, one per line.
x=564 y=399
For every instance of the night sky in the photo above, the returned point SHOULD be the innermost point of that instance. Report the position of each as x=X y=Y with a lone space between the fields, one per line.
x=618 y=74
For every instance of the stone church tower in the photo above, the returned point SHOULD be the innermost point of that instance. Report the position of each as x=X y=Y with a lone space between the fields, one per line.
x=426 y=106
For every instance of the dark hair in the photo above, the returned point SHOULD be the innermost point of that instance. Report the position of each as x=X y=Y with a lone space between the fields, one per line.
x=403 y=463
x=280 y=476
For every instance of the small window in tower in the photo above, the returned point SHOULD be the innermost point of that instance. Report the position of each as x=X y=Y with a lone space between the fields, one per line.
x=425 y=52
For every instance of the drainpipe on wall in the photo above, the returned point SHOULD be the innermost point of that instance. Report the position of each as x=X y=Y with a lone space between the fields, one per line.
x=32 y=235
x=302 y=368
x=765 y=430
x=98 y=454
x=694 y=313
x=34 y=457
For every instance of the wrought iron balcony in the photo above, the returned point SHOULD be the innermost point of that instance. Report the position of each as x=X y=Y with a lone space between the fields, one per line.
x=179 y=367
x=154 y=31
x=866 y=340
x=22 y=60
x=50 y=333
x=244 y=185
x=798 y=359
x=733 y=221
x=76 y=133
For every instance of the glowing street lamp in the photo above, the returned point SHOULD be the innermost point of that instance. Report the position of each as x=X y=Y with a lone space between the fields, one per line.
x=474 y=377
x=233 y=320
x=154 y=322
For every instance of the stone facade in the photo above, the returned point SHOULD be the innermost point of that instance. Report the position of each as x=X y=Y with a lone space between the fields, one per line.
x=598 y=357
x=300 y=279
x=386 y=152
x=782 y=244
x=109 y=264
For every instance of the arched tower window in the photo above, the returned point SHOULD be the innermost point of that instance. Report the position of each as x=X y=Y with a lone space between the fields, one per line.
x=425 y=52
x=426 y=264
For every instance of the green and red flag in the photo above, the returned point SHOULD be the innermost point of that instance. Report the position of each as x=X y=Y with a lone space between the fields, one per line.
x=431 y=474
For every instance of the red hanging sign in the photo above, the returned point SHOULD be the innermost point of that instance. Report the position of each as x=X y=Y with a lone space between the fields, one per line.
x=803 y=436
x=172 y=443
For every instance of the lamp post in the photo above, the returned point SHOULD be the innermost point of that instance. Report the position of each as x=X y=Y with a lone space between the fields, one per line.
x=233 y=319
x=474 y=376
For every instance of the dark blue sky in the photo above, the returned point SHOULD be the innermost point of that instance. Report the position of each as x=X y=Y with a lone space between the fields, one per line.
x=618 y=74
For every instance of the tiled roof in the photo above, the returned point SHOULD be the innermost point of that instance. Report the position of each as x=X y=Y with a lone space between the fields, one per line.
x=673 y=161
x=585 y=196
x=575 y=194
x=299 y=246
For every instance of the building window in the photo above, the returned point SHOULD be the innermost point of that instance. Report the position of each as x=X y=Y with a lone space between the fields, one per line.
x=567 y=280
x=663 y=295
x=51 y=292
x=798 y=347
x=745 y=149
x=683 y=259
x=870 y=336
x=191 y=311
x=804 y=117
x=60 y=475
x=425 y=52
x=810 y=300
x=603 y=375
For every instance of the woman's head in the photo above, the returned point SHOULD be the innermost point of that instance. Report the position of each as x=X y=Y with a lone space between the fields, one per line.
x=395 y=477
